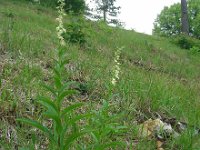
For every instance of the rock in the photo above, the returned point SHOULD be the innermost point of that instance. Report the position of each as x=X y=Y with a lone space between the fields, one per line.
x=156 y=128
x=159 y=145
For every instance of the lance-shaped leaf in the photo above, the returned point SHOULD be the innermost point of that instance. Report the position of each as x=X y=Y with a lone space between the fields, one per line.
x=64 y=62
x=72 y=138
x=71 y=108
x=48 y=103
x=49 y=88
x=57 y=72
x=79 y=117
x=56 y=118
x=58 y=82
x=37 y=125
x=67 y=86
x=66 y=94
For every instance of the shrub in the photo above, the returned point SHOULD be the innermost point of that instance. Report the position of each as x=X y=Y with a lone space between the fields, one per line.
x=75 y=33
x=186 y=42
x=75 y=6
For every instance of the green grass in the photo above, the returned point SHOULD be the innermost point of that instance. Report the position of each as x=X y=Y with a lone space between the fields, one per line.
x=156 y=76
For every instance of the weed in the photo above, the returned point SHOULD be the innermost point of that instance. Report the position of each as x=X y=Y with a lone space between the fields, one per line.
x=8 y=31
x=64 y=127
x=105 y=127
x=194 y=50
x=172 y=88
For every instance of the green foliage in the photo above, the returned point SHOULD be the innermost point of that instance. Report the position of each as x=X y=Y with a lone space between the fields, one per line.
x=75 y=6
x=157 y=77
x=8 y=31
x=106 y=9
x=195 y=50
x=168 y=22
x=65 y=129
x=186 y=42
x=105 y=127
x=64 y=119
x=75 y=31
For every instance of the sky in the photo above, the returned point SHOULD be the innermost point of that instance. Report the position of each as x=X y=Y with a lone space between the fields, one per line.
x=140 y=14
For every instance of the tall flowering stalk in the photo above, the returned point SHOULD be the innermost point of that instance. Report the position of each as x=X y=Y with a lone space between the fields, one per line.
x=105 y=121
x=64 y=130
x=60 y=29
x=116 y=68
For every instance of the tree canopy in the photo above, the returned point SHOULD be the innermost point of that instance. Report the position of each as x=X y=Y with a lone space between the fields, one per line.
x=74 y=6
x=168 y=22
x=106 y=10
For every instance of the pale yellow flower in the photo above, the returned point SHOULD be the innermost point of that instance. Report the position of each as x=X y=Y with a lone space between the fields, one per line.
x=60 y=29
x=116 y=67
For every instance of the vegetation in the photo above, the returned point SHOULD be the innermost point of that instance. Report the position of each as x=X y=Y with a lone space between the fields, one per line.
x=97 y=94
x=168 y=22
x=186 y=42
x=107 y=10
x=72 y=6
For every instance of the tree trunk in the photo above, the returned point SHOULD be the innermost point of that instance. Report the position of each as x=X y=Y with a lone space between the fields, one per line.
x=104 y=16
x=184 y=18
x=105 y=8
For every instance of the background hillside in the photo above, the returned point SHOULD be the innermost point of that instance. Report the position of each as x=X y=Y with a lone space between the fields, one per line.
x=156 y=76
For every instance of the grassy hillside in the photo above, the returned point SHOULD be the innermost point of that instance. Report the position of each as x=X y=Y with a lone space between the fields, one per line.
x=156 y=76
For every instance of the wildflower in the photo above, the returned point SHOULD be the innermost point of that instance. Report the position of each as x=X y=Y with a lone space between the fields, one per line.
x=116 y=68
x=60 y=29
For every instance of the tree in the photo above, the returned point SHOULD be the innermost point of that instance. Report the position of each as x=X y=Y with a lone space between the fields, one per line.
x=168 y=22
x=184 y=18
x=74 y=6
x=105 y=9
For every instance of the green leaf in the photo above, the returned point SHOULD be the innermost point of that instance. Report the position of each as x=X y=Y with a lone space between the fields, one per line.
x=67 y=85
x=79 y=117
x=109 y=145
x=52 y=112
x=71 y=108
x=48 y=103
x=65 y=94
x=113 y=144
x=50 y=89
x=58 y=82
x=38 y=126
x=57 y=120
x=95 y=136
x=61 y=53
x=57 y=72
x=72 y=138
x=64 y=63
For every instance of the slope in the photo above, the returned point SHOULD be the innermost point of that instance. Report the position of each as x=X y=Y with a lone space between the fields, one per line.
x=156 y=76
